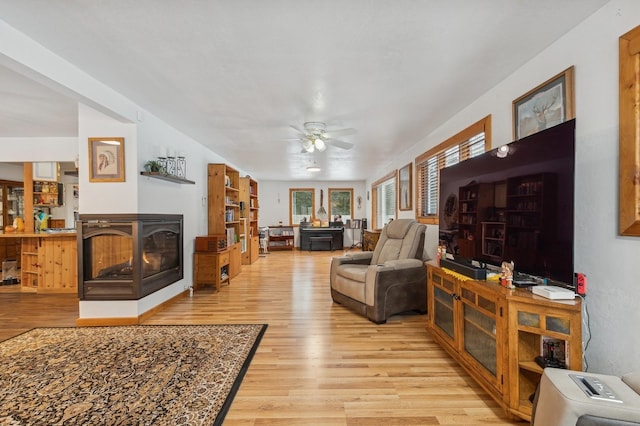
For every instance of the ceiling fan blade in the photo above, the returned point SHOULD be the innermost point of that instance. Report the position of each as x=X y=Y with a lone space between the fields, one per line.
x=340 y=132
x=339 y=144
x=298 y=130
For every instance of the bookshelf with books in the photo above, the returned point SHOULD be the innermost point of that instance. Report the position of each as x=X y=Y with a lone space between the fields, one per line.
x=249 y=209
x=223 y=184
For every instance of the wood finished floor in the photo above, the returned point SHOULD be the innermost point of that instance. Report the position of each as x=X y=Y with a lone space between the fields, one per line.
x=318 y=363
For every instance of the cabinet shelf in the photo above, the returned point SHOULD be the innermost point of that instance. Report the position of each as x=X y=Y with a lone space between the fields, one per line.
x=168 y=178
x=530 y=366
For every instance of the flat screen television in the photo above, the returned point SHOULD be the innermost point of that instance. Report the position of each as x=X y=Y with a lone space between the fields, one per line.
x=515 y=207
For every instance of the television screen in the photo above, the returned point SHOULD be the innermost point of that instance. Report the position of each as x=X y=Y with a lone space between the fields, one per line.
x=514 y=206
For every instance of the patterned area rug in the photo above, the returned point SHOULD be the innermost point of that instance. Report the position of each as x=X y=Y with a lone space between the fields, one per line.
x=142 y=375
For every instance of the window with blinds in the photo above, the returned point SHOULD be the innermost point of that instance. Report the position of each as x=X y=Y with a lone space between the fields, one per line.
x=384 y=200
x=469 y=143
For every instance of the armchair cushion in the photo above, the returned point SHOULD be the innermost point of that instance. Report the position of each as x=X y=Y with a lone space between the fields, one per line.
x=633 y=381
x=390 y=280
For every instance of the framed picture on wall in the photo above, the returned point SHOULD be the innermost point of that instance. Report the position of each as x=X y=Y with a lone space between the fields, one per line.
x=106 y=160
x=544 y=106
x=404 y=185
x=47 y=170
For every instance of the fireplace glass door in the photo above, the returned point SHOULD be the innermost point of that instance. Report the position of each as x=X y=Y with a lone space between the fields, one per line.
x=129 y=259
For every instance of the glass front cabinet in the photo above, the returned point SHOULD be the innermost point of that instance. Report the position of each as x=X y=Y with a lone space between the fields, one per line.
x=501 y=337
x=467 y=318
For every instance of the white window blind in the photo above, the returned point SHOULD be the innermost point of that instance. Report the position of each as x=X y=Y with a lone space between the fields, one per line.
x=428 y=171
x=386 y=201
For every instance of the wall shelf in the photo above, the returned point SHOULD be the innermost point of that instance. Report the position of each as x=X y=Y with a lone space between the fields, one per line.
x=161 y=176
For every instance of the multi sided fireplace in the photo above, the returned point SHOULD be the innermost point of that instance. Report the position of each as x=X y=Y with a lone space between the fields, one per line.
x=128 y=256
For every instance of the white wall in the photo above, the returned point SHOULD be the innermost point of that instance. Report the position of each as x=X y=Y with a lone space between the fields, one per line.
x=11 y=172
x=610 y=261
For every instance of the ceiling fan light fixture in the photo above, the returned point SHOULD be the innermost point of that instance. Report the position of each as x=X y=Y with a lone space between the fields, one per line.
x=320 y=145
x=307 y=145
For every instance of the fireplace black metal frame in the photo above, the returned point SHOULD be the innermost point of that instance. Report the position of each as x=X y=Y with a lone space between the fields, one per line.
x=136 y=226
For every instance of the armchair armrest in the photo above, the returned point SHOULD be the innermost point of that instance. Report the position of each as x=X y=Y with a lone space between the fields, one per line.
x=403 y=263
x=379 y=278
x=362 y=258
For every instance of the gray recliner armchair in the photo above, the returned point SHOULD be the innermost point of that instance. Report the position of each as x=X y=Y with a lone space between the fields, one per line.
x=387 y=281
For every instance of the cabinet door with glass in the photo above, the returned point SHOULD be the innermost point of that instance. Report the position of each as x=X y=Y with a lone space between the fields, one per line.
x=442 y=292
x=483 y=336
x=11 y=202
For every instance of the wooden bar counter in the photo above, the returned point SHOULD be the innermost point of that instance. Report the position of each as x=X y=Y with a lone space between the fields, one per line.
x=48 y=261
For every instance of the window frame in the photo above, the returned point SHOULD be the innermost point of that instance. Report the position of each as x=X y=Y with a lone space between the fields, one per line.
x=480 y=126
x=374 y=197
x=292 y=191
x=330 y=192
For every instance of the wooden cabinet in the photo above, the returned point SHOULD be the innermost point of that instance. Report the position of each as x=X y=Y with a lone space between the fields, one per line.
x=533 y=323
x=211 y=268
x=223 y=184
x=11 y=207
x=249 y=212
x=11 y=202
x=468 y=319
x=281 y=238
x=235 y=260
x=49 y=263
x=495 y=333
x=46 y=194
x=10 y=250
x=224 y=216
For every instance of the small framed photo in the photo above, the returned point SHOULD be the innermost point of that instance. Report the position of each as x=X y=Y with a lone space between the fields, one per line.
x=404 y=185
x=48 y=171
x=106 y=160
x=545 y=106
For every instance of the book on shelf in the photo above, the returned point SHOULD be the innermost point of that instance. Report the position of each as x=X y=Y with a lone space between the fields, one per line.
x=231 y=237
x=553 y=352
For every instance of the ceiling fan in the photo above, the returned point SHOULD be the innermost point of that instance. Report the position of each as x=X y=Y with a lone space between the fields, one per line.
x=316 y=137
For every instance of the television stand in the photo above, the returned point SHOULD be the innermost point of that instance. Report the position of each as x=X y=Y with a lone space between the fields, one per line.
x=496 y=334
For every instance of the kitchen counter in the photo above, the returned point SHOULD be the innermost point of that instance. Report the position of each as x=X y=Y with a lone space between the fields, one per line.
x=49 y=260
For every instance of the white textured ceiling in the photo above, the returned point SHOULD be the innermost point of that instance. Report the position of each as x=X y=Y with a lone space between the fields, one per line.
x=234 y=75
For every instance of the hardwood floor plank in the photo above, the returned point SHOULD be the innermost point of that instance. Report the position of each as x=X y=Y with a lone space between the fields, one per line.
x=318 y=363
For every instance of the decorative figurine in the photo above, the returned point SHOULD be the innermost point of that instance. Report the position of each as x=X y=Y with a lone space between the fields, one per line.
x=506 y=279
